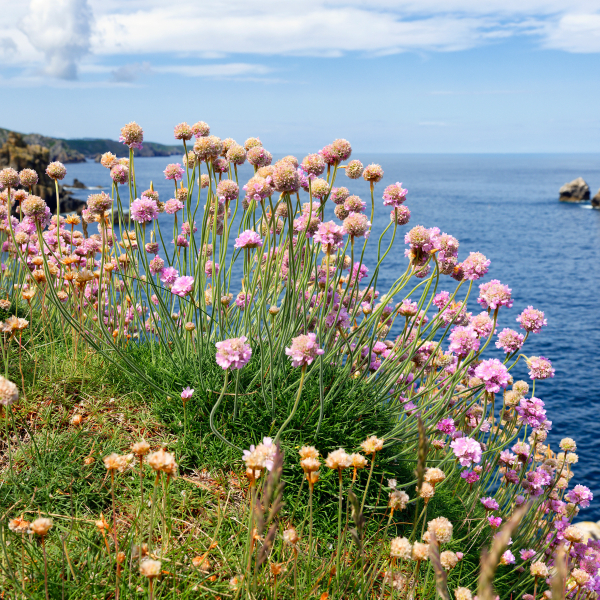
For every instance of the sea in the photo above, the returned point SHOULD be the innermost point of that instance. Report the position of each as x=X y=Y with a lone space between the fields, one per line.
x=505 y=206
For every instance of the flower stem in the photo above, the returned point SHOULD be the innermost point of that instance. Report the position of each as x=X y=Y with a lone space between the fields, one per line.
x=295 y=407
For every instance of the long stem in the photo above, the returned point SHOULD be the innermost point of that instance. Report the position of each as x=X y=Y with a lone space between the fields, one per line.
x=45 y=567
x=115 y=536
x=295 y=407
x=340 y=505
x=362 y=505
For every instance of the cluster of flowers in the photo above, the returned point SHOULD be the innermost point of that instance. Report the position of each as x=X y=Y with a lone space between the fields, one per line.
x=307 y=298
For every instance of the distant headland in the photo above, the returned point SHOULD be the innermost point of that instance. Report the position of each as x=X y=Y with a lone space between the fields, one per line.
x=78 y=150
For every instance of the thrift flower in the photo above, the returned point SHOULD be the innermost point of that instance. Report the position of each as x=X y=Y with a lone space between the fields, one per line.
x=304 y=350
x=233 y=353
x=532 y=320
x=467 y=450
x=493 y=374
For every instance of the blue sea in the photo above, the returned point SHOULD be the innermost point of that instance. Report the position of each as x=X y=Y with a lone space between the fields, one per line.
x=505 y=206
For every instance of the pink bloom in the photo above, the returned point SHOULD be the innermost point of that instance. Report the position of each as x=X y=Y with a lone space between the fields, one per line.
x=580 y=495
x=532 y=320
x=119 y=174
x=446 y=426
x=187 y=393
x=508 y=558
x=540 y=368
x=182 y=286
x=475 y=266
x=510 y=340
x=168 y=275
x=467 y=450
x=494 y=294
x=493 y=374
x=356 y=225
x=359 y=271
x=482 y=324
x=248 y=239
x=330 y=235
x=233 y=353
x=440 y=300
x=211 y=268
x=527 y=554
x=143 y=210
x=408 y=308
x=420 y=238
x=470 y=476
x=304 y=350
x=156 y=265
x=173 y=205
x=531 y=411
x=463 y=340
x=174 y=171
x=242 y=300
x=489 y=503
x=394 y=195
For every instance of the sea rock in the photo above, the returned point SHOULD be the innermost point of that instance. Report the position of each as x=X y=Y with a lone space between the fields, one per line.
x=19 y=155
x=78 y=184
x=596 y=200
x=590 y=529
x=576 y=191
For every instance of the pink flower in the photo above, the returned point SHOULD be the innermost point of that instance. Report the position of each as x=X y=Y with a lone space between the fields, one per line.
x=168 y=275
x=156 y=265
x=527 y=554
x=531 y=411
x=248 y=239
x=173 y=205
x=182 y=286
x=143 y=210
x=394 y=195
x=174 y=171
x=510 y=340
x=508 y=558
x=233 y=353
x=475 y=266
x=540 y=368
x=470 y=476
x=494 y=294
x=187 y=393
x=211 y=268
x=489 y=503
x=356 y=225
x=532 y=320
x=119 y=174
x=304 y=350
x=446 y=426
x=467 y=450
x=580 y=495
x=442 y=299
x=482 y=324
x=463 y=340
x=330 y=235
x=493 y=374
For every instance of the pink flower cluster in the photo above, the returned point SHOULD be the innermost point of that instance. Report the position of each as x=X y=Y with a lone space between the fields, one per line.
x=233 y=353
x=467 y=450
x=248 y=239
x=494 y=294
x=304 y=350
x=493 y=374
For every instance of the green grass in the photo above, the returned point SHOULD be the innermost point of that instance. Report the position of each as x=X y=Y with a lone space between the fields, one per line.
x=58 y=471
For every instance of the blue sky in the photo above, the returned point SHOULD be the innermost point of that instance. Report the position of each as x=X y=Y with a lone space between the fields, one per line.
x=389 y=75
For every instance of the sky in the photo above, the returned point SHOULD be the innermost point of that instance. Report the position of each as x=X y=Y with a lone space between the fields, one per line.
x=389 y=75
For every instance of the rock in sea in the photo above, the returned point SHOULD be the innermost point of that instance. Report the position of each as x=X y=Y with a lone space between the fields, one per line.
x=596 y=200
x=576 y=191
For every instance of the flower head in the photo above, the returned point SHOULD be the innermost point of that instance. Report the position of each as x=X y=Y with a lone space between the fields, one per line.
x=394 y=195
x=132 y=135
x=233 y=353
x=56 y=170
x=338 y=459
x=174 y=172
x=144 y=210
x=41 y=526
x=9 y=178
x=475 y=266
x=540 y=368
x=493 y=374
x=9 y=392
x=248 y=239
x=510 y=340
x=304 y=350
x=182 y=286
x=493 y=295
x=532 y=320
x=354 y=169
x=150 y=568
x=467 y=450
x=373 y=173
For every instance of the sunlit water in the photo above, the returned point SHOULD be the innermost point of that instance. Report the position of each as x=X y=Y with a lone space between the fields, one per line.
x=505 y=206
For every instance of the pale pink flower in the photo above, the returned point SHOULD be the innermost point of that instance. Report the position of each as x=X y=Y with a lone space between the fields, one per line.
x=304 y=350
x=234 y=353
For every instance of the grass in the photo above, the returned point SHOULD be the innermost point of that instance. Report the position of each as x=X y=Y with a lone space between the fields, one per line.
x=58 y=471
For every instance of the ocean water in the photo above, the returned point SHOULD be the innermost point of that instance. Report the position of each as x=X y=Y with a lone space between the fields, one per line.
x=547 y=252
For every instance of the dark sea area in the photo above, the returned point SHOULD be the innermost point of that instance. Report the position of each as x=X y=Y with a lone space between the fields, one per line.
x=505 y=206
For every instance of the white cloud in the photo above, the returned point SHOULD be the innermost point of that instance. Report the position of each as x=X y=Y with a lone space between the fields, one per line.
x=61 y=31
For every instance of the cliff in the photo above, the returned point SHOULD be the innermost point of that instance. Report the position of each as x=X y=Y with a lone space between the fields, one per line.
x=78 y=150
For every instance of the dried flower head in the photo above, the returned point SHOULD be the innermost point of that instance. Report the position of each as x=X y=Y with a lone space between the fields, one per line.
x=150 y=568
x=41 y=526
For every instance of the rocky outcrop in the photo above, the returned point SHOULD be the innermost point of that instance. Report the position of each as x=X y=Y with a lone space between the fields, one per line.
x=596 y=200
x=590 y=529
x=576 y=191
x=19 y=155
